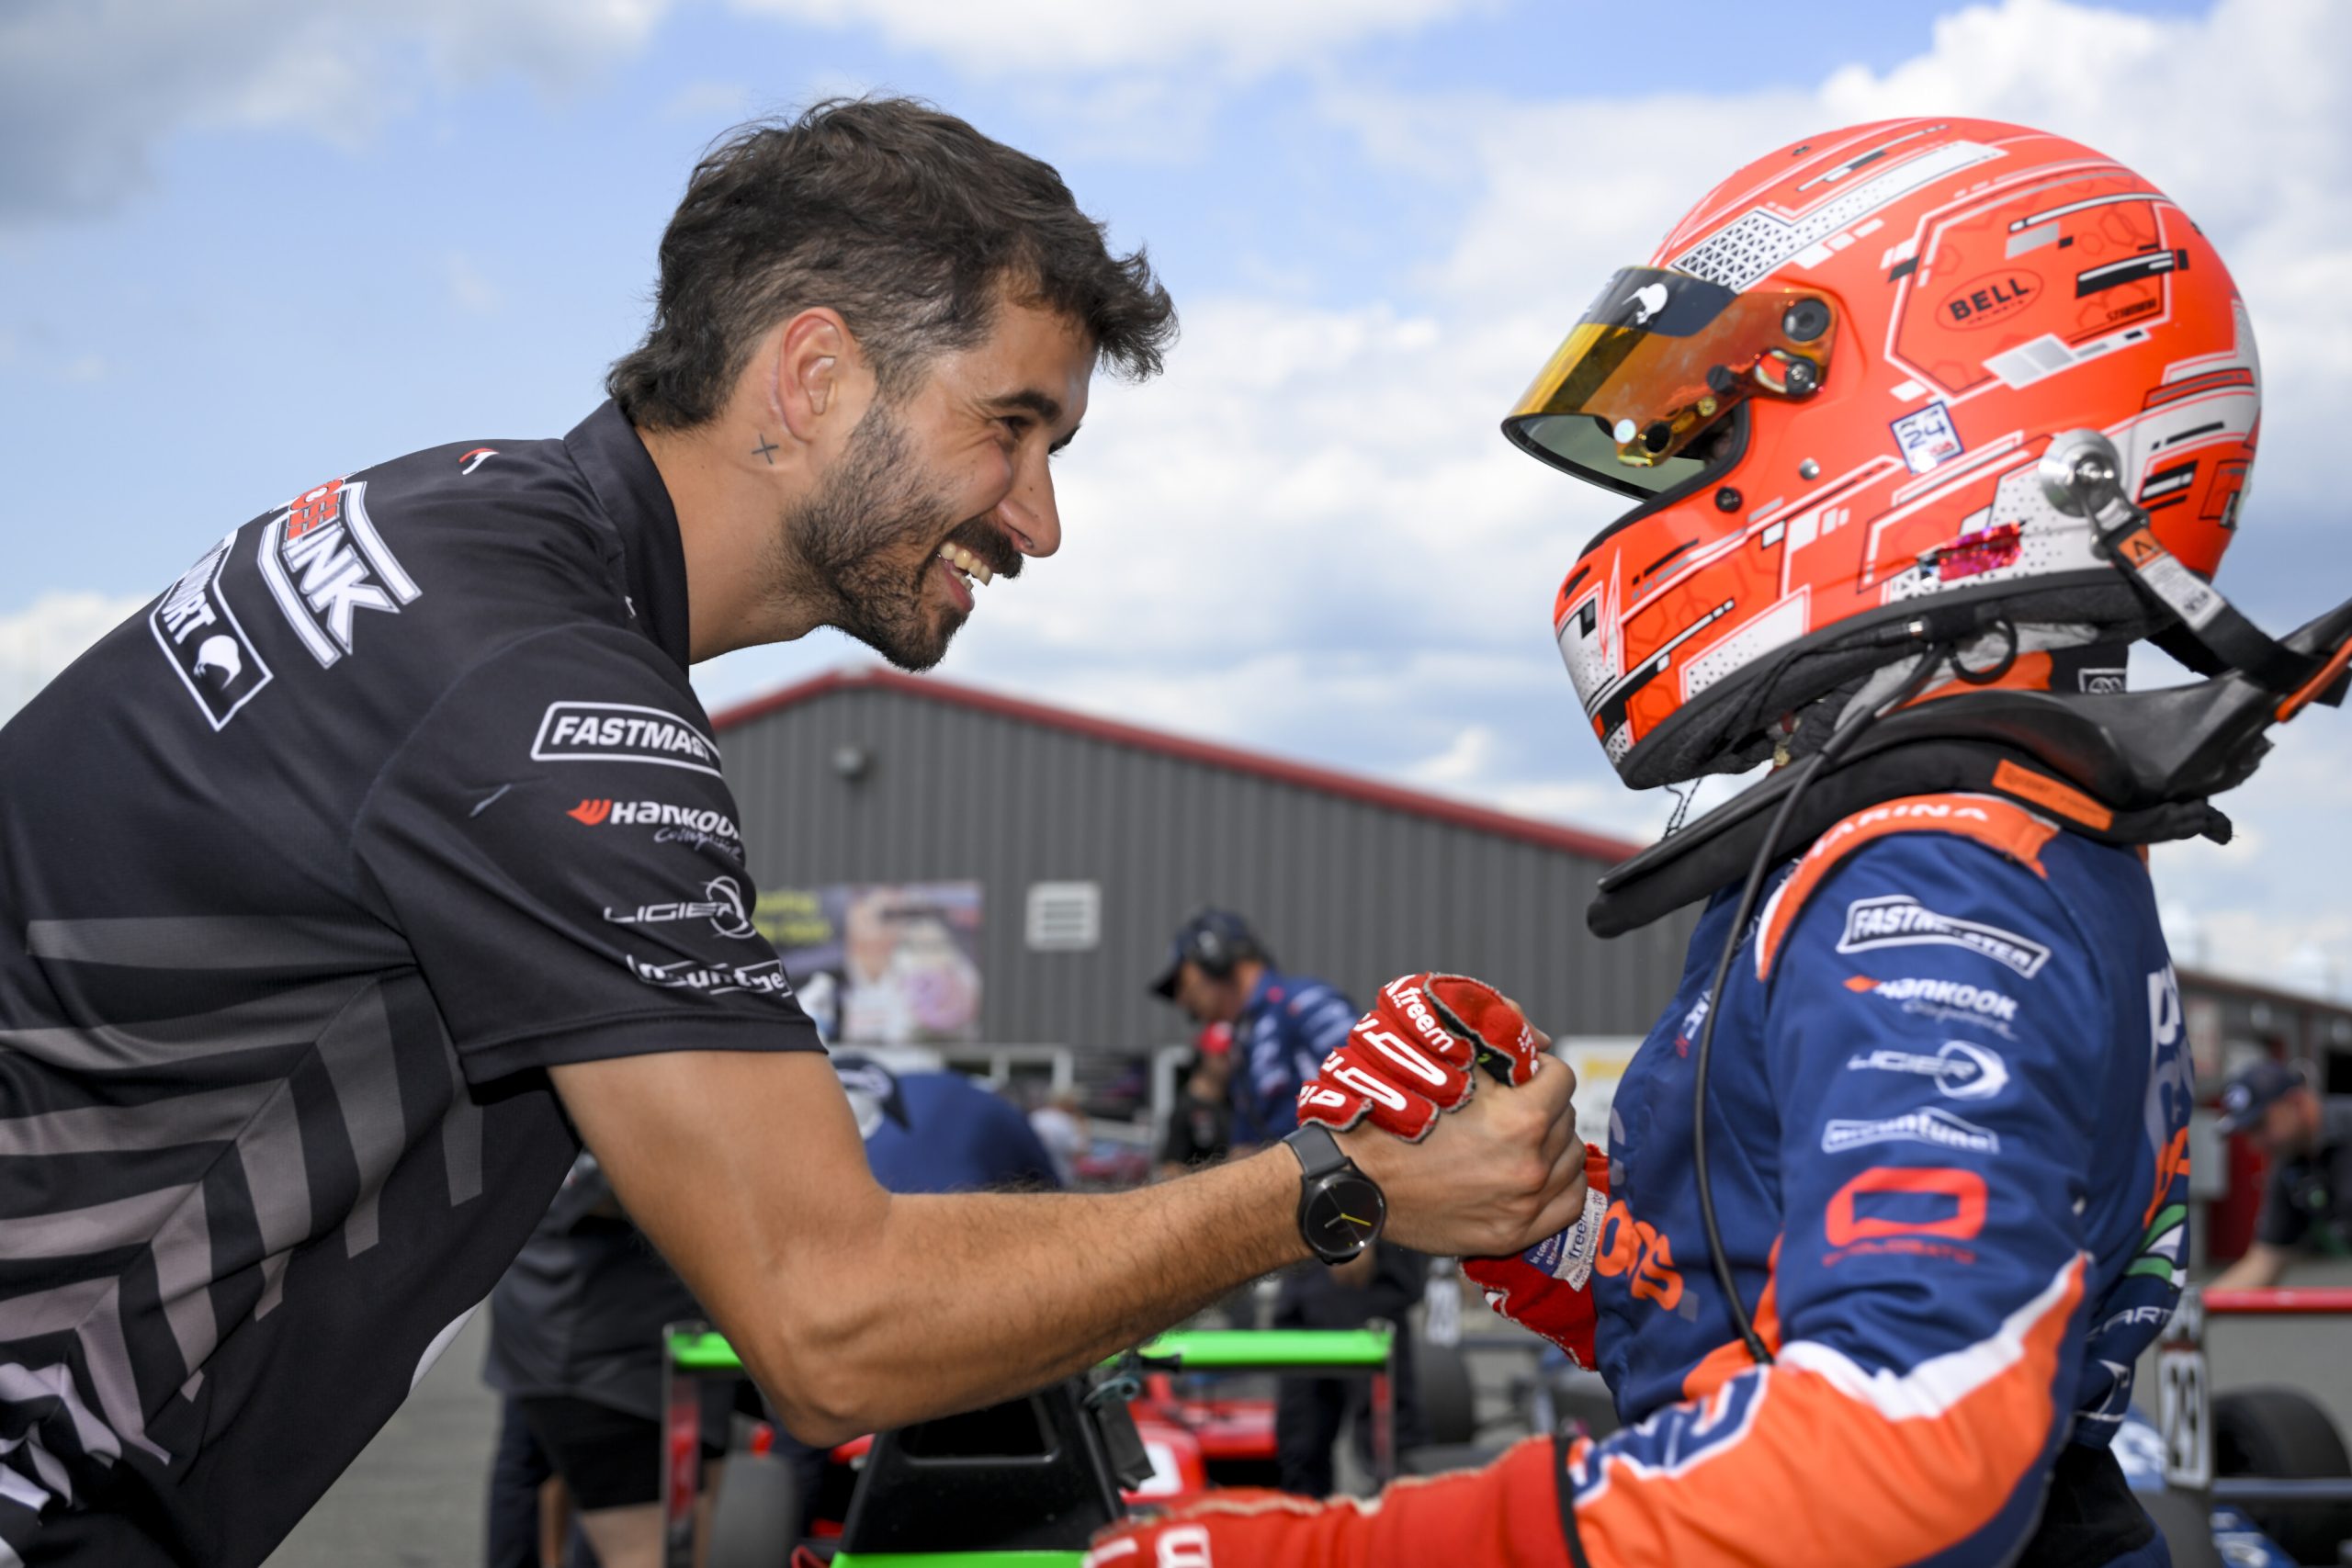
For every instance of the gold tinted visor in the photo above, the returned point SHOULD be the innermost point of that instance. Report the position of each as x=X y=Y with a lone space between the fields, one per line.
x=1639 y=397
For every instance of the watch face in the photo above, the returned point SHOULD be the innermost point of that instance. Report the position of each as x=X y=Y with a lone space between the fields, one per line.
x=1343 y=1215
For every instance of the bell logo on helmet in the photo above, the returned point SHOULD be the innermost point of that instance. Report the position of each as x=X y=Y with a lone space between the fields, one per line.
x=1983 y=301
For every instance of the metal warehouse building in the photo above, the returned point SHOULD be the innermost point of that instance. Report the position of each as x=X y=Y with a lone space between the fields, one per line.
x=1091 y=841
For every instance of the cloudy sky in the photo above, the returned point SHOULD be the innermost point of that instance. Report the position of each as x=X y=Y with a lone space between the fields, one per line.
x=247 y=244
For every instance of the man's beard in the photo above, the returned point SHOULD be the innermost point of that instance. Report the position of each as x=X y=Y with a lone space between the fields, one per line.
x=870 y=538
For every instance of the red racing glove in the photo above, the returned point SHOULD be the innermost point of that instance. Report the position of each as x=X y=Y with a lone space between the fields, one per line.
x=1506 y=1515
x=1408 y=1059
x=1548 y=1288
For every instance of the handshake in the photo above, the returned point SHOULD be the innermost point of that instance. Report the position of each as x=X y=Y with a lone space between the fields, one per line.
x=1499 y=1179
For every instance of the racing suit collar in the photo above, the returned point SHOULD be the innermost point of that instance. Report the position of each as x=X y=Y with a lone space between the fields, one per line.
x=628 y=489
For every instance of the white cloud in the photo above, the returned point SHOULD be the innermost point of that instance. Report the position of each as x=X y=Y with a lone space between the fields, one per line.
x=88 y=86
x=1067 y=37
x=38 y=641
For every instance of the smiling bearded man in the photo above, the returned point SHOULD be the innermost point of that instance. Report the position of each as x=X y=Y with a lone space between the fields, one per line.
x=328 y=941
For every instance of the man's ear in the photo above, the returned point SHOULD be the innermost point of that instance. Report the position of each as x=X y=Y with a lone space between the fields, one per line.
x=807 y=367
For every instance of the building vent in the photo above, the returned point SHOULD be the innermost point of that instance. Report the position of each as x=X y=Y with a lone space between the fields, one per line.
x=1065 y=917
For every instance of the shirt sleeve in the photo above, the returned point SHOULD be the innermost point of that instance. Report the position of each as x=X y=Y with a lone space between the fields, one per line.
x=558 y=843
x=1926 y=1303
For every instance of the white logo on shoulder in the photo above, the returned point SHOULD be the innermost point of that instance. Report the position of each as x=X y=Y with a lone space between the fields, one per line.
x=1934 y=1126
x=199 y=632
x=721 y=904
x=324 y=562
x=622 y=732
x=1961 y=1070
x=1901 y=921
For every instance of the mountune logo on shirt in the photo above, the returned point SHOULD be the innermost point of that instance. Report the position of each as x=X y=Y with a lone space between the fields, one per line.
x=766 y=977
x=1962 y=1071
x=200 y=634
x=324 y=562
x=721 y=904
x=622 y=732
x=1933 y=1125
x=1901 y=921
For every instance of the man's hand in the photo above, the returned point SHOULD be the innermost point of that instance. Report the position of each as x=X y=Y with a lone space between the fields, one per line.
x=1496 y=1176
x=1410 y=1057
x=1547 y=1288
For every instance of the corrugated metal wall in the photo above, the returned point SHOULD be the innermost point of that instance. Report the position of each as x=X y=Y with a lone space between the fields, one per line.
x=1350 y=891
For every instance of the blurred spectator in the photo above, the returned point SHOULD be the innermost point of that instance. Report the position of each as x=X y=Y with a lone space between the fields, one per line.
x=1284 y=1025
x=939 y=1131
x=2307 y=1205
x=575 y=1346
x=1060 y=1125
x=1200 y=1124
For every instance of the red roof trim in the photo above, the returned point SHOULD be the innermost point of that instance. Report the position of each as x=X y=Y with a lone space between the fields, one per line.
x=1348 y=786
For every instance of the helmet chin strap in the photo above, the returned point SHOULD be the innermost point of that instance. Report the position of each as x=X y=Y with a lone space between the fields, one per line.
x=2082 y=476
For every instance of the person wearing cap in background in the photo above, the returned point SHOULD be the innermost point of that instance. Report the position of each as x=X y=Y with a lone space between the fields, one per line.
x=2307 y=1205
x=1284 y=1025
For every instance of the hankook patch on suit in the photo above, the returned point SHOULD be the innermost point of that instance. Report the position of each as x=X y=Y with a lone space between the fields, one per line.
x=199 y=632
x=622 y=732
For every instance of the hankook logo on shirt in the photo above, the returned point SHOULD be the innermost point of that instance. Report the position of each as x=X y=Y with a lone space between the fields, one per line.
x=622 y=732
x=1901 y=921
x=721 y=904
x=324 y=562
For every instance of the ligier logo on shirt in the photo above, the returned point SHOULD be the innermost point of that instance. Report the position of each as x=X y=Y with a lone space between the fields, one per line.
x=1901 y=921
x=200 y=634
x=1961 y=1070
x=721 y=904
x=622 y=732
x=1934 y=1126
x=324 y=562
x=686 y=974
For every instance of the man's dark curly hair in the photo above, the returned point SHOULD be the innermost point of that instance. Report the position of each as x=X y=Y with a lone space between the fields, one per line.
x=905 y=220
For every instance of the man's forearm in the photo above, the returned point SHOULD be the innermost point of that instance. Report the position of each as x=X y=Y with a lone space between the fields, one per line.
x=2262 y=1267
x=960 y=1300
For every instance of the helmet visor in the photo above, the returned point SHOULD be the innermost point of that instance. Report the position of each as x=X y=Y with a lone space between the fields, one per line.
x=1635 y=397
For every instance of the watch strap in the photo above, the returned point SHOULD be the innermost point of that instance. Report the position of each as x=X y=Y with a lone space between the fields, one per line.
x=1318 y=1152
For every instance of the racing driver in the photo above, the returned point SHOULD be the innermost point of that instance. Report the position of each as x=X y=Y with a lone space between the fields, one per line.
x=1923 y=422
x=388 y=854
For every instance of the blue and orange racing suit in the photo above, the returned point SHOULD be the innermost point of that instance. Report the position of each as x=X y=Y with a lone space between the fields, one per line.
x=1948 y=1108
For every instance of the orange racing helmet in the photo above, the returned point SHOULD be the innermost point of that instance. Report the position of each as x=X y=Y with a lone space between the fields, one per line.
x=1827 y=393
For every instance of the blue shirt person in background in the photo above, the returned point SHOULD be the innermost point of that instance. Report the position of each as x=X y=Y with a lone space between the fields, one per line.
x=1284 y=1025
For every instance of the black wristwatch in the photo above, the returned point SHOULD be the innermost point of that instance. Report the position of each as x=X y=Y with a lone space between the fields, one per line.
x=1340 y=1209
